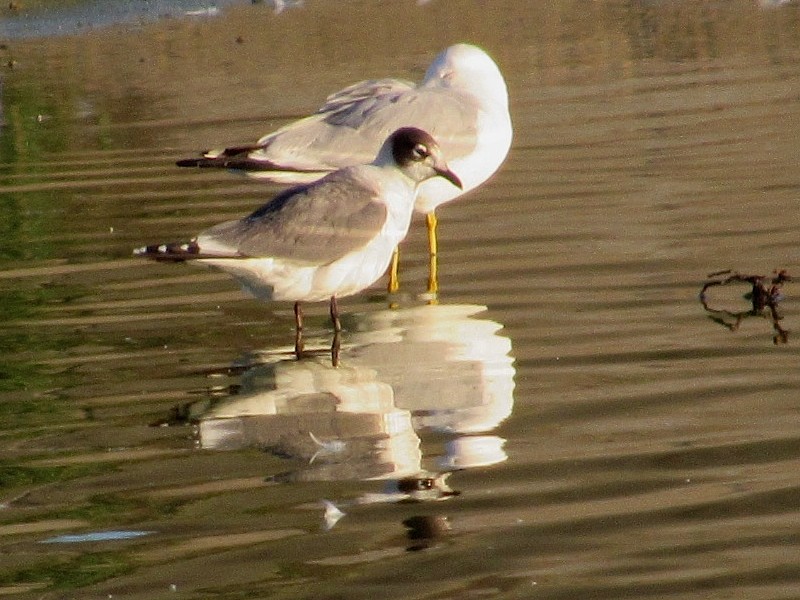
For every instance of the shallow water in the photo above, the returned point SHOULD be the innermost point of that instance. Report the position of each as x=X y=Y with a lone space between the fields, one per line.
x=604 y=434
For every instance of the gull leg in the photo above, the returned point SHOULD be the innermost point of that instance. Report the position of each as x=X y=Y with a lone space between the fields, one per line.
x=394 y=281
x=337 y=330
x=337 y=324
x=433 y=247
x=298 y=331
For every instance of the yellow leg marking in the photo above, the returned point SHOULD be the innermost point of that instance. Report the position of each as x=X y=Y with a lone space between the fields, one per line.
x=433 y=277
x=394 y=281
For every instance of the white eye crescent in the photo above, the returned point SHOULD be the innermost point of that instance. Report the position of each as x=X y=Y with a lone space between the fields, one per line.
x=421 y=152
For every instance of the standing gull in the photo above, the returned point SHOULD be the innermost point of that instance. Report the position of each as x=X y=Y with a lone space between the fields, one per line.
x=462 y=102
x=326 y=239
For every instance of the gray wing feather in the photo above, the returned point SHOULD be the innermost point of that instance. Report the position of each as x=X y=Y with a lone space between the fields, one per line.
x=353 y=124
x=372 y=90
x=316 y=223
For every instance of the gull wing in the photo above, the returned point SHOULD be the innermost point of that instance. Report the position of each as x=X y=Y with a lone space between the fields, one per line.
x=350 y=128
x=316 y=223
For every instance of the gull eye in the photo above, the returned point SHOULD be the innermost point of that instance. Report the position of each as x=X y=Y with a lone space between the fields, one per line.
x=425 y=484
x=420 y=152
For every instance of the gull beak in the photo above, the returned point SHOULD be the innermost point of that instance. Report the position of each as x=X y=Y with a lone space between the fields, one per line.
x=444 y=171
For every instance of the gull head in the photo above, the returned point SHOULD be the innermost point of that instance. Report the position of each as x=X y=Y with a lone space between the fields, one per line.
x=417 y=155
x=469 y=69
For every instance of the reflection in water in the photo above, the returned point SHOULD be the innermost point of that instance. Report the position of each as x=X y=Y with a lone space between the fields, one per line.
x=96 y=536
x=423 y=486
x=331 y=515
x=425 y=530
x=341 y=422
x=453 y=372
x=403 y=371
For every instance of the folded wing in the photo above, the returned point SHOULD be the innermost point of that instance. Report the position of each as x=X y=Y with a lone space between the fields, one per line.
x=316 y=224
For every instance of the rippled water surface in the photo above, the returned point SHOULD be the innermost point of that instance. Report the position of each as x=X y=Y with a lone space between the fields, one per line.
x=568 y=422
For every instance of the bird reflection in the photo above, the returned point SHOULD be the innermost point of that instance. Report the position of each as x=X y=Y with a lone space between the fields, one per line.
x=424 y=531
x=452 y=371
x=402 y=372
x=335 y=423
x=423 y=486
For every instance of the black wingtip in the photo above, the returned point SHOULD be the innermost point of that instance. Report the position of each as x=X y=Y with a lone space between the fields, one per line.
x=234 y=157
x=204 y=162
x=226 y=162
x=189 y=162
x=181 y=252
x=177 y=252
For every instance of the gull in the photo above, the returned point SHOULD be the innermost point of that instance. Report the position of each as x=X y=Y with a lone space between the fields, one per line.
x=322 y=240
x=462 y=102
